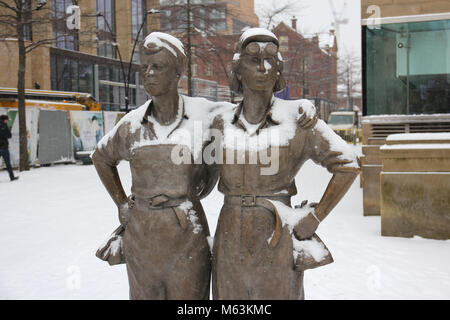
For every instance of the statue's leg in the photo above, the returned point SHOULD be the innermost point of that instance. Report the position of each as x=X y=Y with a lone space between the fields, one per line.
x=245 y=266
x=189 y=276
x=143 y=269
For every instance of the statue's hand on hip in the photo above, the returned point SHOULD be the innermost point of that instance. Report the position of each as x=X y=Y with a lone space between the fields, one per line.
x=125 y=211
x=306 y=227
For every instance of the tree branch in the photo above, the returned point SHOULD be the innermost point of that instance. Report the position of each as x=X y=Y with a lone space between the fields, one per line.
x=9 y=7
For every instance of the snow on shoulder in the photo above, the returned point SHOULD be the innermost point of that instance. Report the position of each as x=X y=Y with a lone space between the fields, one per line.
x=164 y=40
x=134 y=119
x=337 y=144
x=285 y=112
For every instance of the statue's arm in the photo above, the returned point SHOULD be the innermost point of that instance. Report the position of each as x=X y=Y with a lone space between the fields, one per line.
x=211 y=177
x=110 y=178
x=345 y=168
x=113 y=148
x=211 y=154
x=336 y=189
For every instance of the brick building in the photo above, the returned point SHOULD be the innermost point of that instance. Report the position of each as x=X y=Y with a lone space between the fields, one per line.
x=86 y=60
x=310 y=70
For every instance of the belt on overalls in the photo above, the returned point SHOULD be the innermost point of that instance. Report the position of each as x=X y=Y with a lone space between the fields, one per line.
x=261 y=201
x=163 y=201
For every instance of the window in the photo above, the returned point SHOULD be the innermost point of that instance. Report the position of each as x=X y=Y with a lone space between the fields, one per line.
x=137 y=18
x=220 y=25
x=194 y=69
x=182 y=19
x=407 y=68
x=284 y=43
x=63 y=37
x=306 y=89
x=68 y=74
x=217 y=18
x=201 y=18
x=306 y=64
x=106 y=26
x=209 y=69
x=137 y=21
x=218 y=13
x=239 y=26
x=27 y=30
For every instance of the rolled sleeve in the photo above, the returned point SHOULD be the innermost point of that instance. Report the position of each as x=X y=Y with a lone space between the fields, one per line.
x=331 y=151
x=114 y=146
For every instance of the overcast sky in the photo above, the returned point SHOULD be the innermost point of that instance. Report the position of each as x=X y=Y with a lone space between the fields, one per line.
x=316 y=16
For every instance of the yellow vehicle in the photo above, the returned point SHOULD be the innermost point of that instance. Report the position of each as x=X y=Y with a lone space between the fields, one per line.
x=346 y=124
x=54 y=100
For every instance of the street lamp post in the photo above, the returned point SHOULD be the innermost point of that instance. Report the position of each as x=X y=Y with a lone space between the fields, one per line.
x=126 y=76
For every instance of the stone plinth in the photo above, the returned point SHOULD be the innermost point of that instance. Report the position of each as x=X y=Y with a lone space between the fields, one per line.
x=415 y=186
x=376 y=129
x=370 y=173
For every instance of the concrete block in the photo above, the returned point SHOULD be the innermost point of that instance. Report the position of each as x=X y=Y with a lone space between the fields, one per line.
x=415 y=203
x=371 y=189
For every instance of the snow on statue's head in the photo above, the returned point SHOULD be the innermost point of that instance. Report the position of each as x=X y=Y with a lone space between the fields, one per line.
x=157 y=41
x=251 y=41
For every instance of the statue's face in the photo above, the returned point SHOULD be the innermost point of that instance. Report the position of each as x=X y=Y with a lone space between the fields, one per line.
x=159 y=73
x=258 y=66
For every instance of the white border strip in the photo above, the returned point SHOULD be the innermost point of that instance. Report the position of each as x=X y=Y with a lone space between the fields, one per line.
x=402 y=19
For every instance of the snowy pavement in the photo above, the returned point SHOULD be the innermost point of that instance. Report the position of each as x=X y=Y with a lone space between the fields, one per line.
x=54 y=218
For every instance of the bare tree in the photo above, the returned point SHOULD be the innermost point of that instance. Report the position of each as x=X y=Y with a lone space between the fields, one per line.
x=349 y=77
x=204 y=31
x=32 y=23
x=193 y=21
x=278 y=10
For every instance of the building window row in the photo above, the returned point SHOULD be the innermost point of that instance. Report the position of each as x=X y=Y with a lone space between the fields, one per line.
x=78 y=74
x=174 y=18
x=106 y=28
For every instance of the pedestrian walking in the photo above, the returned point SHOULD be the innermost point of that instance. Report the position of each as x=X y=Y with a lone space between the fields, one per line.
x=5 y=134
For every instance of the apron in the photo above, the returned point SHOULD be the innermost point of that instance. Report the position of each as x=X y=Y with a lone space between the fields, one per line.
x=165 y=241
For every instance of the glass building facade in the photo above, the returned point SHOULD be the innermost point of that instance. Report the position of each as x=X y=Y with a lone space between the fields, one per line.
x=106 y=26
x=62 y=37
x=101 y=75
x=71 y=71
x=406 y=68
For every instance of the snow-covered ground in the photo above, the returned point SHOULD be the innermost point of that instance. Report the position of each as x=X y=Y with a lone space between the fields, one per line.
x=54 y=218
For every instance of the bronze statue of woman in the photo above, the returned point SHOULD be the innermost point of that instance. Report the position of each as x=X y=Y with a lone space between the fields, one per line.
x=262 y=245
x=163 y=233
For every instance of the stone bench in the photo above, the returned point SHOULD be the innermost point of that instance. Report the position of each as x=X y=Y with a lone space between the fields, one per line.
x=415 y=185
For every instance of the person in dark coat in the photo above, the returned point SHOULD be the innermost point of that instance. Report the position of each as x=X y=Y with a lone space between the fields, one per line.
x=5 y=134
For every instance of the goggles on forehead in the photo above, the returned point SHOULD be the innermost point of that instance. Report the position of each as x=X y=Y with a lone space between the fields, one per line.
x=256 y=47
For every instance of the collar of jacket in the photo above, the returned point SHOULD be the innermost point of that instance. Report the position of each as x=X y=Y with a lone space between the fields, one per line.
x=267 y=121
x=150 y=107
x=148 y=112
